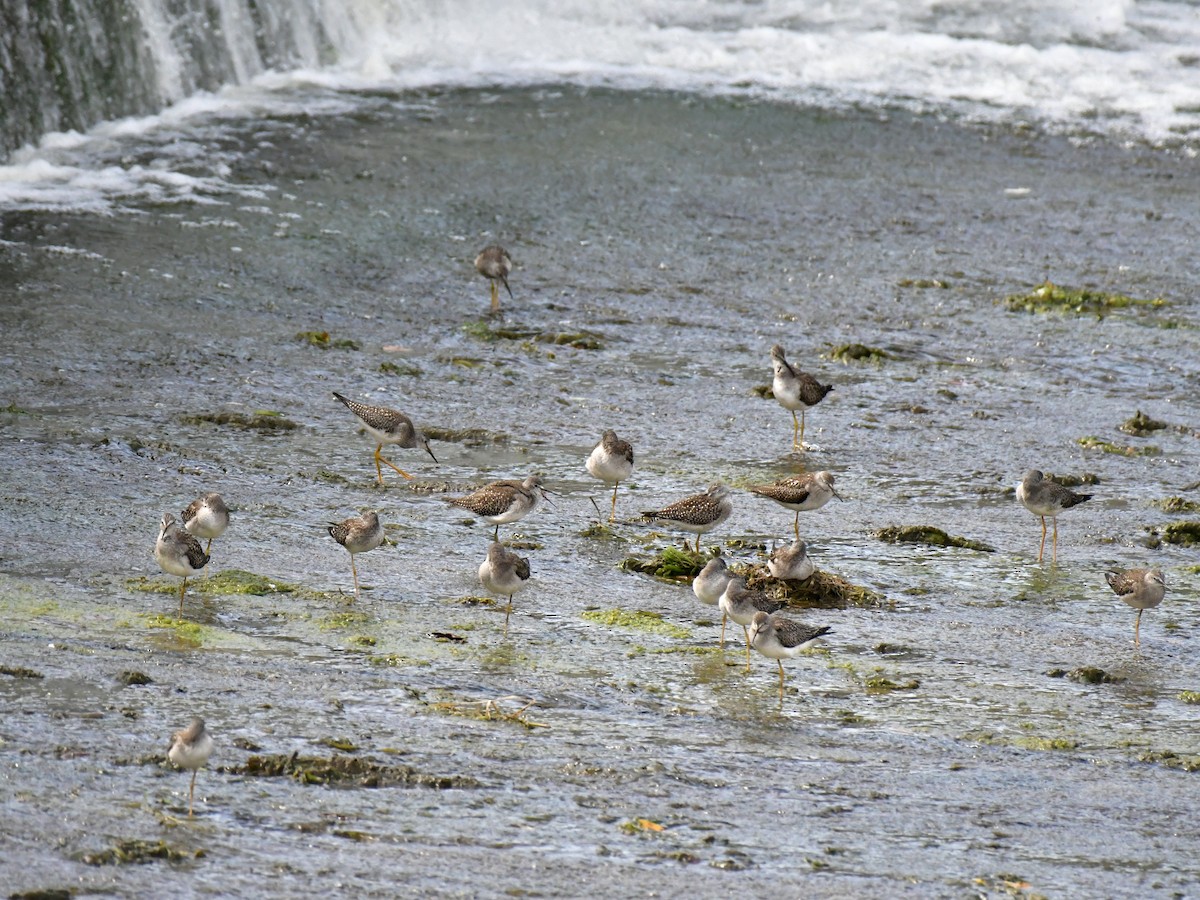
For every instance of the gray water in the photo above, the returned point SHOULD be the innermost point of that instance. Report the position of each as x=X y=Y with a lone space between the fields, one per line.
x=687 y=236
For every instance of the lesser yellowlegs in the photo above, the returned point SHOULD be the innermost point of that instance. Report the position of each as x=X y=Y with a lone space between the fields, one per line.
x=1141 y=589
x=791 y=563
x=699 y=514
x=358 y=534
x=801 y=493
x=710 y=584
x=387 y=426
x=795 y=390
x=612 y=462
x=740 y=604
x=1043 y=497
x=503 y=573
x=502 y=502
x=178 y=553
x=494 y=264
x=190 y=749
x=206 y=517
x=779 y=638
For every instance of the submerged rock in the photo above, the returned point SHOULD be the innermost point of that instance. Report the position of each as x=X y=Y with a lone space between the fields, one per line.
x=343 y=770
x=931 y=535
x=138 y=851
x=261 y=420
x=1141 y=425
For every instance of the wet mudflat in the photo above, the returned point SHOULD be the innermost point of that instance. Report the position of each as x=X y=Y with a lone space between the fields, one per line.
x=943 y=743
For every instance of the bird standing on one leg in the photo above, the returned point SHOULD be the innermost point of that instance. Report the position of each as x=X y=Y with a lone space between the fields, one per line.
x=795 y=390
x=699 y=514
x=741 y=604
x=358 y=534
x=778 y=638
x=710 y=584
x=387 y=426
x=190 y=749
x=206 y=517
x=800 y=493
x=1043 y=497
x=502 y=502
x=611 y=461
x=503 y=573
x=1141 y=589
x=178 y=553
x=494 y=264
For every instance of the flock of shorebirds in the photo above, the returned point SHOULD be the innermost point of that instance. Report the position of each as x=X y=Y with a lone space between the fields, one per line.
x=504 y=573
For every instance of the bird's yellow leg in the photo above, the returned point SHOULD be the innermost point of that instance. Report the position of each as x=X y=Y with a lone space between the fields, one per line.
x=192 y=791
x=507 y=613
x=1042 y=548
x=1137 y=625
x=1054 y=542
x=379 y=457
x=796 y=526
x=354 y=572
x=780 y=661
x=495 y=296
x=723 y=620
x=801 y=428
x=747 y=634
x=613 y=516
x=182 y=588
x=795 y=430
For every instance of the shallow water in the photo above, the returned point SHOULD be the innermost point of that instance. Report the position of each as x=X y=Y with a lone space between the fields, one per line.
x=687 y=235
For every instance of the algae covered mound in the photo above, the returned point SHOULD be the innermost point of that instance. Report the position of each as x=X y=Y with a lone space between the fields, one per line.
x=672 y=564
x=931 y=535
x=344 y=770
x=227 y=581
x=821 y=590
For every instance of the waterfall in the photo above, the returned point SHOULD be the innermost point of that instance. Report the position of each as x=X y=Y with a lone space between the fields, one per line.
x=68 y=64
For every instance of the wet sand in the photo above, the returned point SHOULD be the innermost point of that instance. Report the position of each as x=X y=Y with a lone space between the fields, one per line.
x=679 y=238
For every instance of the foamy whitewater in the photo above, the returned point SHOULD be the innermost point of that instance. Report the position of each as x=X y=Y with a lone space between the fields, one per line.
x=1115 y=69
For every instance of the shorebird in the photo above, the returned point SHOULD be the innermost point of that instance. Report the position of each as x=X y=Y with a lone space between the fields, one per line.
x=190 y=749
x=710 y=584
x=502 y=502
x=740 y=604
x=503 y=573
x=795 y=390
x=791 y=563
x=387 y=426
x=178 y=553
x=1141 y=589
x=699 y=514
x=801 y=493
x=206 y=517
x=611 y=461
x=494 y=264
x=1047 y=498
x=358 y=534
x=778 y=638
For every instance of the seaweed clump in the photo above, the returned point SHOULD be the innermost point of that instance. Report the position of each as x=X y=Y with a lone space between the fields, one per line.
x=855 y=352
x=1091 y=442
x=821 y=590
x=138 y=851
x=262 y=420
x=931 y=535
x=1048 y=297
x=227 y=581
x=324 y=341
x=1176 y=505
x=639 y=620
x=344 y=770
x=1185 y=533
x=672 y=564
x=1141 y=425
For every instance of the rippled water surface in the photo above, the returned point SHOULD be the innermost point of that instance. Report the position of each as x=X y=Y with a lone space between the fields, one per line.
x=681 y=238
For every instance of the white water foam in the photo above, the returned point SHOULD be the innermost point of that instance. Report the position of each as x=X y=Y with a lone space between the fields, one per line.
x=1115 y=68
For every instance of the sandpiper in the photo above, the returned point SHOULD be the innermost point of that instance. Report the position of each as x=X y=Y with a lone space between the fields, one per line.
x=795 y=390
x=1047 y=498
x=206 y=517
x=387 y=426
x=502 y=502
x=699 y=514
x=1141 y=589
x=791 y=562
x=358 y=534
x=740 y=604
x=190 y=749
x=710 y=584
x=494 y=264
x=178 y=553
x=778 y=638
x=503 y=573
x=801 y=493
x=612 y=462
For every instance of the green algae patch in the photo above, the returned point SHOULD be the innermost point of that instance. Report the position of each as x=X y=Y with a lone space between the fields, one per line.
x=514 y=710
x=471 y=437
x=672 y=564
x=1171 y=760
x=637 y=620
x=686 y=651
x=1176 y=505
x=342 y=621
x=931 y=535
x=138 y=851
x=1073 y=481
x=580 y=340
x=185 y=632
x=1186 y=533
x=1190 y=697
x=263 y=421
x=1091 y=442
x=1053 y=298
x=406 y=369
x=923 y=283
x=131 y=678
x=1141 y=425
x=225 y=582
x=857 y=353
x=344 y=745
x=1087 y=675
x=324 y=341
x=881 y=684
x=344 y=770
